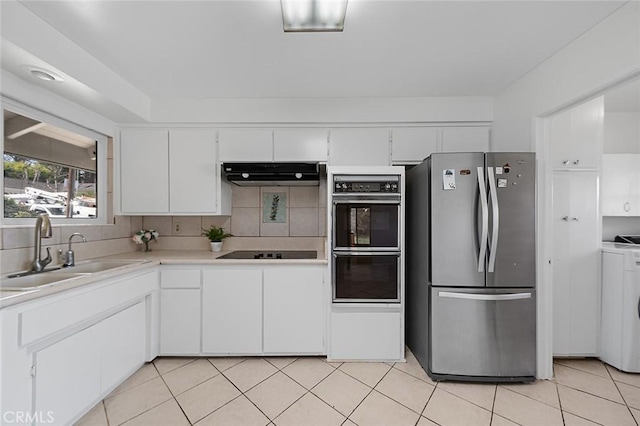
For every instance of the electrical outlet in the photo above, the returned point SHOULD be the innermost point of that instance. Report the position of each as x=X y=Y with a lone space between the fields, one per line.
x=177 y=227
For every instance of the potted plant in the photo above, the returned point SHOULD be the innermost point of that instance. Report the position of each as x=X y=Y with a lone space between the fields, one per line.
x=215 y=236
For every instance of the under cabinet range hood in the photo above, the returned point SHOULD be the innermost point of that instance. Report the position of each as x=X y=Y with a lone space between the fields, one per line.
x=272 y=174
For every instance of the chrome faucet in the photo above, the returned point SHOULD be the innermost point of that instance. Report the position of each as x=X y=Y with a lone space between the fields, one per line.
x=69 y=256
x=43 y=230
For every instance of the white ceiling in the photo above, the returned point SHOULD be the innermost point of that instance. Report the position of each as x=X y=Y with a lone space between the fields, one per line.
x=237 y=49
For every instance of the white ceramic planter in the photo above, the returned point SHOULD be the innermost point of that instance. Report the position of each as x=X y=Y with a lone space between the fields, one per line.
x=217 y=246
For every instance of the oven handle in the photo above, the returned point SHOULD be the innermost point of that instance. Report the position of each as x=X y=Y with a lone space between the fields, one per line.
x=337 y=253
x=366 y=201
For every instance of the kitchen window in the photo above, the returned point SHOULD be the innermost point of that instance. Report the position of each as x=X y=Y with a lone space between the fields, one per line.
x=51 y=166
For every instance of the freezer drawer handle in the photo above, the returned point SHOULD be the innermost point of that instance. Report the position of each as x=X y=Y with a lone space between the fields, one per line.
x=474 y=296
x=638 y=307
x=495 y=213
x=485 y=219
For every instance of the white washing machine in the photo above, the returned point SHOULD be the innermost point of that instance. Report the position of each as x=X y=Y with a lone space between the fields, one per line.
x=620 y=325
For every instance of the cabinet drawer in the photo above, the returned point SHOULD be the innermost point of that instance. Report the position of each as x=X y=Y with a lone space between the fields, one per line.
x=180 y=278
x=44 y=320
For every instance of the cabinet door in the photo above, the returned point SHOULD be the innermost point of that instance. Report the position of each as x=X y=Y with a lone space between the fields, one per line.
x=301 y=145
x=144 y=171
x=67 y=379
x=370 y=336
x=620 y=185
x=232 y=311
x=465 y=139
x=179 y=321
x=245 y=145
x=413 y=144
x=123 y=344
x=576 y=136
x=576 y=260
x=294 y=310
x=194 y=171
x=359 y=147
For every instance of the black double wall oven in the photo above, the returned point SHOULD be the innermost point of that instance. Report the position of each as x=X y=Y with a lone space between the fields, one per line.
x=366 y=238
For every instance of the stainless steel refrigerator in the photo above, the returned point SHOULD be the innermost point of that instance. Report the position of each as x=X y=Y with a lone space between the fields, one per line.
x=471 y=272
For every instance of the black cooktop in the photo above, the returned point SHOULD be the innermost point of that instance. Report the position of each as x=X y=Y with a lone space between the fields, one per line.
x=284 y=254
x=629 y=239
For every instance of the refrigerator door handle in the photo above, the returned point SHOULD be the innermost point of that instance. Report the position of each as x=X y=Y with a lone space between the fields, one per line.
x=485 y=220
x=495 y=213
x=475 y=296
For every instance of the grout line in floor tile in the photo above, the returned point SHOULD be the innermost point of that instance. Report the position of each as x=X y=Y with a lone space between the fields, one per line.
x=173 y=396
x=173 y=369
x=597 y=396
x=220 y=371
x=549 y=405
x=623 y=398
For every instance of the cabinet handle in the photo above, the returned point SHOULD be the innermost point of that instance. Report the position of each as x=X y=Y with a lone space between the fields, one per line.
x=565 y=218
x=639 y=307
x=627 y=207
x=576 y=162
x=575 y=218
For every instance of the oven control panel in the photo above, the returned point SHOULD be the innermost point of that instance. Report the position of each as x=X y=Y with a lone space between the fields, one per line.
x=350 y=184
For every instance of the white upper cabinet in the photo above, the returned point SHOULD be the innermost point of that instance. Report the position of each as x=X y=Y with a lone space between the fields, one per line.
x=245 y=145
x=144 y=171
x=301 y=145
x=413 y=144
x=465 y=139
x=620 y=185
x=171 y=172
x=359 y=147
x=576 y=137
x=193 y=170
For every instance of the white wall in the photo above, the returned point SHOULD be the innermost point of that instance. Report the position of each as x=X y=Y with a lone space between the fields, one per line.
x=621 y=132
x=606 y=54
x=324 y=110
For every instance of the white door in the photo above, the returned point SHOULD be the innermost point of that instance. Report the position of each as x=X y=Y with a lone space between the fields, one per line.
x=465 y=139
x=123 y=344
x=413 y=144
x=245 y=145
x=232 y=311
x=179 y=321
x=300 y=145
x=576 y=260
x=67 y=376
x=144 y=171
x=294 y=307
x=359 y=147
x=194 y=171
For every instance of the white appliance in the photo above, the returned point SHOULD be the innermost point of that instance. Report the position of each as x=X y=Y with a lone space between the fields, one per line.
x=620 y=326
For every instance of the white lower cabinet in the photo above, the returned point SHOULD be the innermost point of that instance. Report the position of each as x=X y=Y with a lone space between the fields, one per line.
x=63 y=353
x=180 y=312
x=294 y=310
x=122 y=344
x=358 y=334
x=67 y=377
x=232 y=311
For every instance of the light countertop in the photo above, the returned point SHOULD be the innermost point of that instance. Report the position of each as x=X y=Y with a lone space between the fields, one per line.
x=146 y=260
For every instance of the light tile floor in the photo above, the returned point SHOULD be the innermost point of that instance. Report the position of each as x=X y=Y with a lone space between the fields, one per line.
x=310 y=391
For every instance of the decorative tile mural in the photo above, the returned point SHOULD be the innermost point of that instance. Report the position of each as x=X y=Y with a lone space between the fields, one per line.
x=274 y=207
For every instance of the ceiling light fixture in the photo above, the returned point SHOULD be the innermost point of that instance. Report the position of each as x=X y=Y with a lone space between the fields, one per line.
x=313 y=15
x=42 y=74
